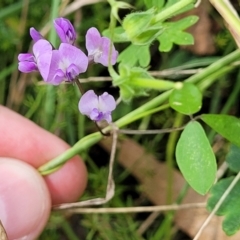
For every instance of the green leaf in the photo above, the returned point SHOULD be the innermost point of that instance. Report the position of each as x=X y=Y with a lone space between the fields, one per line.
x=233 y=158
x=183 y=38
x=227 y=126
x=186 y=98
x=185 y=23
x=134 y=54
x=173 y=33
x=230 y=208
x=195 y=158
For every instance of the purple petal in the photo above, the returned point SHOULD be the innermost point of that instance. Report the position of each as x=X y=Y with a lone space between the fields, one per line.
x=40 y=47
x=93 y=40
x=27 y=67
x=106 y=103
x=26 y=57
x=99 y=48
x=96 y=115
x=88 y=102
x=107 y=117
x=54 y=74
x=27 y=63
x=65 y=30
x=105 y=48
x=72 y=72
x=44 y=64
x=35 y=34
x=71 y=55
x=57 y=78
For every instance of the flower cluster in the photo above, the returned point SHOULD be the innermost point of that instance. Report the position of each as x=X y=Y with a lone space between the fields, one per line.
x=68 y=61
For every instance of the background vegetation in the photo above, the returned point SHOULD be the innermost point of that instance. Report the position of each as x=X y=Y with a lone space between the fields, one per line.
x=54 y=108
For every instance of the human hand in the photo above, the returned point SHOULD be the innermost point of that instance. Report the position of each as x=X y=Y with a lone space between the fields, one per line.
x=25 y=196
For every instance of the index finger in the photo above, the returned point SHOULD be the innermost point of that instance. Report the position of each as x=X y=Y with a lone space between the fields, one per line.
x=24 y=140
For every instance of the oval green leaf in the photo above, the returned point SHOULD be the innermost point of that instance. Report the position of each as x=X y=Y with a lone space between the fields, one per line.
x=186 y=98
x=195 y=158
x=227 y=126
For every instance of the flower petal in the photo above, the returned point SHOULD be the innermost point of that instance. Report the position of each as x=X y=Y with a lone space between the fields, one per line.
x=44 y=63
x=54 y=74
x=57 y=78
x=27 y=67
x=105 y=48
x=27 y=63
x=96 y=115
x=72 y=72
x=72 y=55
x=26 y=57
x=40 y=47
x=93 y=40
x=108 y=117
x=107 y=103
x=35 y=34
x=88 y=102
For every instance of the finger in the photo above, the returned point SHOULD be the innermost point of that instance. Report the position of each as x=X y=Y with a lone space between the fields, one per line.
x=25 y=201
x=28 y=142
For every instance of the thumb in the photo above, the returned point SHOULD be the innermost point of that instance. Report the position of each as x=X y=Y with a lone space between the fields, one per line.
x=24 y=200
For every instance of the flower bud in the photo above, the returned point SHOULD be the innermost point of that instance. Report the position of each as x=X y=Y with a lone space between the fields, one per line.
x=141 y=28
x=65 y=30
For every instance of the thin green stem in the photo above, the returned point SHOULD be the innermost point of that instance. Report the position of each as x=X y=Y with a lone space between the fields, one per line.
x=171 y=11
x=171 y=144
x=216 y=66
x=153 y=83
x=54 y=14
x=81 y=145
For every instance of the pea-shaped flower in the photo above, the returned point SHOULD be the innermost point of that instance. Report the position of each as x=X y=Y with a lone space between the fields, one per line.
x=64 y=64
x=97 y=108
x=65 y=30
x=99 y=48
x=29 y=62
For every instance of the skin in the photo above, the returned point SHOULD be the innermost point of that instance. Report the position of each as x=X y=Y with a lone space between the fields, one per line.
x=25 y=196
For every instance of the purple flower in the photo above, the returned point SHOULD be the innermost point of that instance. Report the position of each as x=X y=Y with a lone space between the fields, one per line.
x=97 y=108
x=99 y=48
x=65 y=30
x=29 y=62
x=35 y=34
x=63 y=64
